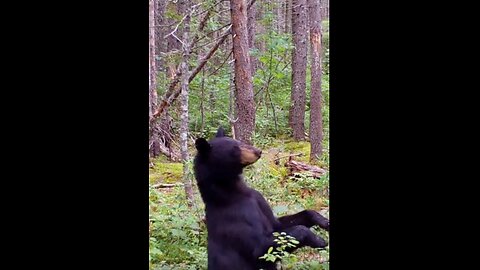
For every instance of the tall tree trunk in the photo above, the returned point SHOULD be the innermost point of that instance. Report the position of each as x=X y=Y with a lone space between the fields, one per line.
x=316 y=125
x=152 y=74
x=151 y=54
x=232 y=109
x=159 y=134
x=325 y=9
x=251 y=26
x=260 y=30
x=280 y=10
x=299 y=67
x=202 y=97
x=184 y=103
x=163 y=132
x=215 y=62
x=159 y=33
x=245 y=103
x=288 y=16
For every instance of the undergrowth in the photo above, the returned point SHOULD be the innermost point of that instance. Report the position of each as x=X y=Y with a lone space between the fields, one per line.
x=178 y=235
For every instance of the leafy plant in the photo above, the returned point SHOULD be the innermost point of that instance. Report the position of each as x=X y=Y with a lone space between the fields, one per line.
x=283 y=241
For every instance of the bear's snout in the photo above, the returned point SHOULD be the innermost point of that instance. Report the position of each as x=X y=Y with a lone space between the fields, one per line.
x=249 y=154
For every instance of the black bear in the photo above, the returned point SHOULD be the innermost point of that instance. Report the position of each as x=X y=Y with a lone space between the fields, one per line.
x=240 y=223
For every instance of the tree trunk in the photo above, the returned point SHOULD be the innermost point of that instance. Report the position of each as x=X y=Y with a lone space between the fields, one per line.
x=159 y=33
x=202 y=97
x=160 y=132
x=151 y=57
x=280 y=10
x=299 y=67
x=184 y=103
x=163 y=132
x=245 y=104
x=325 y=9
x=251 y=26
x=152 y=74
x=232 y=109
x=316 y=125
x=288 y=15
x=260 y=30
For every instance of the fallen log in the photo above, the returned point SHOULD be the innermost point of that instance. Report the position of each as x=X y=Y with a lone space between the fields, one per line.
x=296 y=166
x=164 y=185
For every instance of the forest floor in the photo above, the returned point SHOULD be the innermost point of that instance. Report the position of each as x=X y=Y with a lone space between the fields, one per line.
x=178 y=238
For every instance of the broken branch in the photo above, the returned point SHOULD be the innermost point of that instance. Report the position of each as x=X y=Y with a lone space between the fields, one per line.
x=163 y=185
x=295 y=166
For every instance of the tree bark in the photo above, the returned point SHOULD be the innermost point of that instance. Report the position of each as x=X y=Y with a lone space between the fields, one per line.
x=160 y=135
x=299 y=67
x=184 y=103
x=202 y=98
x=152 y=74
x=325 y=9
x=159 y=33
x=245 y=125
x=251 y=26
x=280 y=10
x=151 y=57
x=232 y=109
x=288 y=16
x=316 y=125
x=259 y=30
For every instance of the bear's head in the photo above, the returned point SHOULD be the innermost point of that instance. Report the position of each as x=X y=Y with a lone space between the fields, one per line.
x=224 y=157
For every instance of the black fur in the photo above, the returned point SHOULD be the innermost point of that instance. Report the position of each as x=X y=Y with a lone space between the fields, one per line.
x=240 y=222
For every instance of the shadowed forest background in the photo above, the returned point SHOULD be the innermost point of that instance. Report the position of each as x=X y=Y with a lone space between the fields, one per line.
x=259 y=69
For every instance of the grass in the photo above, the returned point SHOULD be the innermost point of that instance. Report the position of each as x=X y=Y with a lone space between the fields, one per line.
x=165 y=172
x=178 y=235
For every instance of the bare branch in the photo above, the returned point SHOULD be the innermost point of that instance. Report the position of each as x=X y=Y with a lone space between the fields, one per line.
x=179 y=40
x=230 y=119
x=173 y=91
x=207 y=34
x=181 y=21
x=176 y=27
x=221 y=65
x=203 y=22
x=208 y=43
x=204 y=59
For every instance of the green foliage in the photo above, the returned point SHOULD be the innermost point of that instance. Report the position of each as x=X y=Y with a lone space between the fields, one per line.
x=292 y=260
x=177 y=236
x=272 y=84
x=283 y=242
x=166 y=172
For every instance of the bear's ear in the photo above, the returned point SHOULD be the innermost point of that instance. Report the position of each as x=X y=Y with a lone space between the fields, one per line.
x=202 y=145
x=220 y=132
